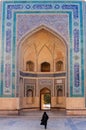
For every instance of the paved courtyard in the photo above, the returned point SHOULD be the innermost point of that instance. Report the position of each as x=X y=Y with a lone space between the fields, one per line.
x=25 y=123
x=32 y=122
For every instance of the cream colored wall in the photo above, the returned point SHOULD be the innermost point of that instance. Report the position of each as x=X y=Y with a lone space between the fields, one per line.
x=60 y=104
x=75 y=103
x=75 y=106
x=71 y=103
x=26 y=102
x=9 y=103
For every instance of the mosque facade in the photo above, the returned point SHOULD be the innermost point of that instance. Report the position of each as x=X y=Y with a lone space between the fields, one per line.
x=42 y=55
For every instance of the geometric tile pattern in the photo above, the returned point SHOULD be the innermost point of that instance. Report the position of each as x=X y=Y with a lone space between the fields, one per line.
x=13 y=11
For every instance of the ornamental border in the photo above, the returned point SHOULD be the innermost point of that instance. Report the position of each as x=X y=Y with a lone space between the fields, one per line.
x=74 y=8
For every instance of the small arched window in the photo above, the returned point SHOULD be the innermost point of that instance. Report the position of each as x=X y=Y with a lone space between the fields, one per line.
x=29 y=93
x=29 y=66
x=45 y=67
x=59 y=66
x=59 y=92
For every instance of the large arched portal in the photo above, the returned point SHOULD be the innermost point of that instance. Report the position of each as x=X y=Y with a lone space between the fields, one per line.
x=42 y=63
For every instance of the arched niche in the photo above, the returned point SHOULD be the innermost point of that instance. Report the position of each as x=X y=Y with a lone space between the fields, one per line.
x=42 y=45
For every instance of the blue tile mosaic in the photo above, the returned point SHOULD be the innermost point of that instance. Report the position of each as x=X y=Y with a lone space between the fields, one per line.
x=52 y=14
x=42 y=75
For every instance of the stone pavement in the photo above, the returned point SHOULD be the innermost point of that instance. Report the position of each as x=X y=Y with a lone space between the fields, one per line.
x=32 y=122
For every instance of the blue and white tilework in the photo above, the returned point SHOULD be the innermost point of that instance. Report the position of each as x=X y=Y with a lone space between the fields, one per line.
x=63 y=17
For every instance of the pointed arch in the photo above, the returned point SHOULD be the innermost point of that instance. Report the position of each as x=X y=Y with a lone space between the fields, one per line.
x=45 y=90
x=28 y=34
x=50 y=61
x=45 y=67
x=29 y=66
x=59 y=65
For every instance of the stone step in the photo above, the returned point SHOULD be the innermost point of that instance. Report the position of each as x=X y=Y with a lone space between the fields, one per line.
x=39 y=113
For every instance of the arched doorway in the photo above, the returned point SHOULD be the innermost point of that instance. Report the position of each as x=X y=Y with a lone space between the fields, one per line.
x=45 y=99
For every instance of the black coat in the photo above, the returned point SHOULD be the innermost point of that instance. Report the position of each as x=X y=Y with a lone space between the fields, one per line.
x=44 y=119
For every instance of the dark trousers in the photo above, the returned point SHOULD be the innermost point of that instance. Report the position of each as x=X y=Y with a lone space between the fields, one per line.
x=45 y=125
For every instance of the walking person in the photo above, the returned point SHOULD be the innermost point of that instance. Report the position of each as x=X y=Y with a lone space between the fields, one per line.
x=44 y=120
